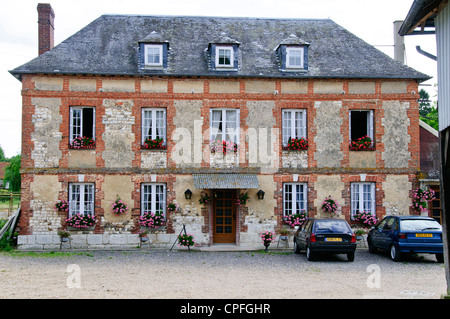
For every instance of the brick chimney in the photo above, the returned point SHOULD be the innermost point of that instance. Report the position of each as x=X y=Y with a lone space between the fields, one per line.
x=46 y=25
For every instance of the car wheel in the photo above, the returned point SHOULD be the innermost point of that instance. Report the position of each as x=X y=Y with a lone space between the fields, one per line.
x=372 y=248
x=351 y=256
x=395 y=254
x=440 y=258
x=309 y=254
x=296 y=247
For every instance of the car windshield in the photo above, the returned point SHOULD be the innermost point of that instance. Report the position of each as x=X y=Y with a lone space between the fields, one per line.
x=419 y=224
x=332 y=226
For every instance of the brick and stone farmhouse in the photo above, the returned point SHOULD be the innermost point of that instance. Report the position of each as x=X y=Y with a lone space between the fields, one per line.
x=224 y=125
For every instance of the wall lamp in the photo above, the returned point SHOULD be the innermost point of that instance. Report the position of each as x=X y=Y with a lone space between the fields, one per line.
x=188 y=194
x=260 y=194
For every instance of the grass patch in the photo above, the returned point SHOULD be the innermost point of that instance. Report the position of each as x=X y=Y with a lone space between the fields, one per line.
x=50 y=254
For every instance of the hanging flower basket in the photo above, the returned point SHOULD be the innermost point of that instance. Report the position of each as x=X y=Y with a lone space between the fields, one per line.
x=62 y=206
x=119 y=207
x=82 y=143
x=296 y=144
x=242 y=199
x=362 y=144
x=204 y=198
x=186 y=240
x=296 y=219
x=152 y=220
x=173 y=208
x=420 y=198
x=81 y=222
x=330 y=205
x=154 y=144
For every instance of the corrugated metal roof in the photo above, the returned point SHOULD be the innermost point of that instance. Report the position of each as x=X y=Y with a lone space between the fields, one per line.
x=225 y=181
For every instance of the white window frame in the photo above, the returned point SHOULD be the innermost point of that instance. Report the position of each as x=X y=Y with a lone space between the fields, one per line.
x=79 y=204
x=73 y=129
x=229 y=49
x=213 y=132
x=358 y=201
x=290 y=127
x=299 y=199
x=149 y=200
x=152 y=121
x=290 y=51
x=370 y=124
x=147 y=47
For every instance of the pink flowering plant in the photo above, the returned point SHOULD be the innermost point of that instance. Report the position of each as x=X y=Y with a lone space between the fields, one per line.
x=119 y=207
x=223 y=147
x=80 y=221
x=204 y=198
x=267 y=237
x=242 y=199
x=62 y=206
x=173 y=208
x=295 y=219
x=152 y=220
x=361 y=144
x=420 y=198
x=366 y=219
x=186 y=240
x=330 y=205
x=82 y=142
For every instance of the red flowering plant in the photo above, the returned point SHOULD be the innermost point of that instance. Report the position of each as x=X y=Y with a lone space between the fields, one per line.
x=297 y=144
x=361 y=144
x=82 y=142
x=223 y=147
x=154 y=144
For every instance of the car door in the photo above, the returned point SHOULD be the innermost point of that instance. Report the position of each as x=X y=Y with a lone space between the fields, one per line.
x=377 y=233
x=302 y=235
x=387 y=233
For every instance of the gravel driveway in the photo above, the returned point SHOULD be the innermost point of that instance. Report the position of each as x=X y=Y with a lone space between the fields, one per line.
x=216 y=275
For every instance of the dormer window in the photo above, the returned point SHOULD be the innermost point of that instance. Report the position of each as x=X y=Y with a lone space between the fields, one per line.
x=293 y=54
x=224 y=57
x=294 y=57
x=153 y=54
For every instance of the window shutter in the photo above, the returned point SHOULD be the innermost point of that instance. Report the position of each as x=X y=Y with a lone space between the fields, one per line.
x=350 y=126
x=370 y=125
x=71 y=126
x=238 y=116
x=372 y=195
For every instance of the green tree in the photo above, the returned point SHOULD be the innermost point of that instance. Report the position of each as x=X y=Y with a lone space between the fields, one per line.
x=428 y=111
x=12 y=174
x=2 y=155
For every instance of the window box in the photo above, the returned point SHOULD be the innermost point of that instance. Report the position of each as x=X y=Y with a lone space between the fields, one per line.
x=364 y=143
x=153 y=144
x=82 y=143
x=296 y=144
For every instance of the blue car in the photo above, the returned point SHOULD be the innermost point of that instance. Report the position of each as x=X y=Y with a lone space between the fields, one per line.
x=407 y=234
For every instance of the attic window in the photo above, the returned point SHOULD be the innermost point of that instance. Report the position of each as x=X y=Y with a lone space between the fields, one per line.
x=224 y=57
x=153 y=55
x=294 y=57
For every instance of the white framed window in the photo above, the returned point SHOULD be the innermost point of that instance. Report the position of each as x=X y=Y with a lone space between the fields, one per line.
x=294 y=58
x=154 y=124
x=361 y=124
x=363 y=198
x=153 y=55
x=82 y=122
x=81 y=198
x=224 y=56
x=295 y=197
x=293 y=124
x=153 y=198
x=224 y=125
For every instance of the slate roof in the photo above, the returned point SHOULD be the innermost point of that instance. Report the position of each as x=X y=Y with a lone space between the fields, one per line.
x=110 y=46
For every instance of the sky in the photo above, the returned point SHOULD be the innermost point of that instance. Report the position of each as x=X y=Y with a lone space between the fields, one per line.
x=371 y=21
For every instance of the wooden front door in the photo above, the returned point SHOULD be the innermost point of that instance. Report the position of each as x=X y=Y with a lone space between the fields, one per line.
x=224 y=211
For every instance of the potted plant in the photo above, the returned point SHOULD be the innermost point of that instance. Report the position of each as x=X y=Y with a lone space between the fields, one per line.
x=80 y=221
x=143 y=235
x=82 y=142
x=330 y=205
x=152 y=144
x=173 y=208
x=359 y=233
x=361 y=144
x=267 y=237
x=204 y=198
x=63 y=235
x=119 y=207
x=152 y=220
x=186 y=240
x=366 y=219
x=297 y=144
x=420 y=199
x=62 y=206
x=296 y=219
x=242 y=199
x=284 y=233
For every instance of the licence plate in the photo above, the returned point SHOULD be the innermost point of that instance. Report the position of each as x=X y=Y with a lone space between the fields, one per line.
x=333 y=239
x=424 y=235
